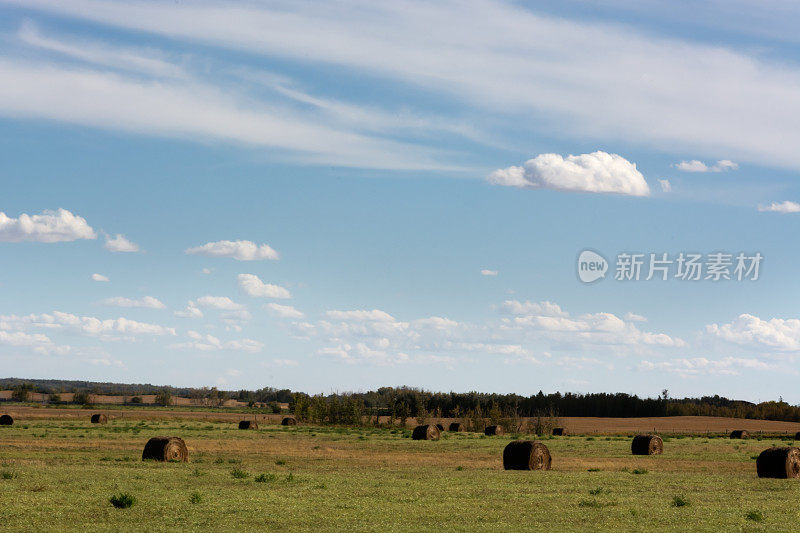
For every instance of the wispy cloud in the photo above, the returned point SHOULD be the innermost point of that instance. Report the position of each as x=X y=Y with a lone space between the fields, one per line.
x=493 y=55
x=698 y=166
x=781 y=207
x=119 y=243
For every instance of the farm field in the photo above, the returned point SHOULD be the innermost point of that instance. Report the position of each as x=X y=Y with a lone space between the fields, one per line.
x=58 y=475
x=579 y=425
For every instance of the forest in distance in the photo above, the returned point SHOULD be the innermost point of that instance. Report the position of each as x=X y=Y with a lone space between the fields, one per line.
x=411 y=402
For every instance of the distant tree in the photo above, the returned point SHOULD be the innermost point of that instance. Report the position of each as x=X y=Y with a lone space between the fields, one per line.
x=163 y=398
x=275 y=407
x=55 y=398
x=22 y=392
x=136 y=399
x=82 y=398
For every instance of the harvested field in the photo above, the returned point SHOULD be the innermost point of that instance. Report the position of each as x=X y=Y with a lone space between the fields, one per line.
x=61 y=472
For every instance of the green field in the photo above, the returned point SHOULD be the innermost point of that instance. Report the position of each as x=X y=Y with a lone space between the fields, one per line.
x=58 y=475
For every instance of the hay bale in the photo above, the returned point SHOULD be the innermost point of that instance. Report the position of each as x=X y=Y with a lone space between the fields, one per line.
x=426 y=432
x=99 y=418
x=526 y=455
x=6 y=420
x=647 y=445
x=797 y=436
x=559 y=431
x=739 y=434
x=440 y=427
x=248 y=424
x=288 y=421
x=494 y=430
x=456 y=426
x=165 y=449
x=783 y=462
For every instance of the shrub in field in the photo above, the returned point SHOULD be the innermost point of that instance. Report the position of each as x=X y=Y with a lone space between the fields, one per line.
x=280 y=462
x=639 y=471
x=755 y=515
x=238 y=473
x=679 y=501
x=196 y=497
x=265 y=478
x=123 y=500
x=8 y=474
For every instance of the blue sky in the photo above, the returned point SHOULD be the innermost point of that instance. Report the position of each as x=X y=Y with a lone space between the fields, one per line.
x=340 y=197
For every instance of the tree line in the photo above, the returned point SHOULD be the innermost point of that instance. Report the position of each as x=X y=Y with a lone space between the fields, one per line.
x=408 y=402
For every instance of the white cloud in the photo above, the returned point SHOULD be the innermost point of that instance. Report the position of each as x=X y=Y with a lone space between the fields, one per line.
x=119 y=243
x=781 y=207
x=210 y=343
x=666 y=186
x=99 y=277
x=502 y=57
x=701 y=366
x=147 y=302
x=375 y=315
x=207 y=271
x=285 y=311
x=191 y=311
x=50 y=226
x=698 y=166
x=487 y=272
x=37 y=342
x=253 y=286
x=598 y=172
x=218 y=302
x=748 y=330
x=514 y=307
x=239 y=250
x=110 y=329
x=633 y=317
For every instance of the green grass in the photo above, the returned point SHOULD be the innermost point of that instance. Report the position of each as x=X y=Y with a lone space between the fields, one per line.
x=61 y=474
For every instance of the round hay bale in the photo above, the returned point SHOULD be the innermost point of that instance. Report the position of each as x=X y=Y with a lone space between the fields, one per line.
x=6 y=420
x=797 y=436
x=288 y=421
x=440 y=427
x=165 y=449
x=739 y=434
x=559 y=431
x=526 y=455
x=647 y=445
x=494 y=430
x=783 y=462
x=456 y=426
x=99 y=418
x=426 y=432
x=248 y=424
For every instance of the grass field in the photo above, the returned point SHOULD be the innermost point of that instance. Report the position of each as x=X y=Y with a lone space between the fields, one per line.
x=59 y=474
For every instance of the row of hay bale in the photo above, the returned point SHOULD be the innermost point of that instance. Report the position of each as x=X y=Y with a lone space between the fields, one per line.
x=252 y=424
x=433 y=431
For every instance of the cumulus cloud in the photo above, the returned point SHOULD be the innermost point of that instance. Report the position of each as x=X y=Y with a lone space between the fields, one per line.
x=514 y=307
x=147 y=302
x=91 y=326
x=633 y=317
x=698 y=166
x=487 y=272
x=50 y=226
x=99 y=277
x=210 y=343
x=598 y=172
x=191 y=311
x=119 y=243
x=781 y=207
x=666 y=186
x=218 y=302
x=37 y=342
x=239 y=250
x=748 y=330
x=252 y=285
x=375 y=315
x=285 y=311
